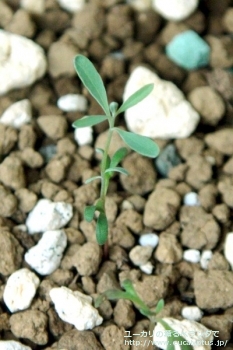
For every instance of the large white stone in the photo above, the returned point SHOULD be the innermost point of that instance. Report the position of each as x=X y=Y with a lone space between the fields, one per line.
x=228 y=248
x=22 y=62
x=72 y=5
x=12 y=345
x=75 y=308
x=45 y=257
x=48 y=215
x=18 y=114
x=20 y=289
x=175 y=10
x=164 y=114
x=72 y=103
x=35 y=7
x=195 y=333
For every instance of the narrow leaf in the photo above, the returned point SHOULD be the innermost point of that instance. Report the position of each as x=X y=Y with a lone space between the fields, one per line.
x=99 y=150
x=140 y=144
x=92 y=80
x=115 y=294
x=102 y=229
x=118 y=156
x=89 y=213
x=172 y=339
x=99 y=300
x=170 y=346
x=138 y=96
x=89 y=120
x=159 y=306
x=92 y=179
x=128 y=286
x=117 y=169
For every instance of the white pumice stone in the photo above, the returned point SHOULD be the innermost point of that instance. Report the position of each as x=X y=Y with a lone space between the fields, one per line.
x=35 y=7
x=175 y=10
x=46 y=255
x=18 y=114
x=72 y=103
x=192 y=255
x=164 y=113
x=22 y=62
x=48 y=215
x=192 y=313
x=205 y=258
x=83 y=136
x=13 y=345
x=75 y=308
x=150 y=239
x=193 y=332
x=191 y=199
x=20 y=289
x=72 y=5
x=147 y=268
x=140 y=255
x=228 y=249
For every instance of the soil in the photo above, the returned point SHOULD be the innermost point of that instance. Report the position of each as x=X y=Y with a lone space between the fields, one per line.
x=141 y=203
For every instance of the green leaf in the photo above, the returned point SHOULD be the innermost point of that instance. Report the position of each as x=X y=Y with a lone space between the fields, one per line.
x=140 y=144
x=170 y=346
x=115 y=294
x=99 y=150
x=138 y=96
x=92 y=179
x=89 y=120
x=117 y=169
x=118 y=156
x=99 y=300
x=92 y=80
x=89 y=213
x=128 y=286
x=102 y=229
x=159 y=306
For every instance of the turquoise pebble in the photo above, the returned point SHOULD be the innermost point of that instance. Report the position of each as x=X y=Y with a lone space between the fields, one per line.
x=188 y=50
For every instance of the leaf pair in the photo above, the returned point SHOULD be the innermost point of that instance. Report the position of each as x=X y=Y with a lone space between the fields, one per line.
x=101 y=223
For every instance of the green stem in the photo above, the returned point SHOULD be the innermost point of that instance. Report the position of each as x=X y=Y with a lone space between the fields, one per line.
x=104 y=182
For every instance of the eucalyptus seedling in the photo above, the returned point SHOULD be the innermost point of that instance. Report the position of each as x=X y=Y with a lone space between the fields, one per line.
x=140 y=144
x=151 y=313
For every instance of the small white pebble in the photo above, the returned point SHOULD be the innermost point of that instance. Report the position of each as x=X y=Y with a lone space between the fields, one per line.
x=140 y=255
x=83 y=136
x=147 y=268
x=72 y=103
x=75 y=308
x=192 y=313
x=72 y=5
x=12 y=345
x=191 y=199
x=205 y=258
x=150 y=239
x=192 y=255
x=228 y=249
x=18 y=114
x=48 y=215
x=175 y=10
x=127 y=205
x=45 y=257
x=20 y=289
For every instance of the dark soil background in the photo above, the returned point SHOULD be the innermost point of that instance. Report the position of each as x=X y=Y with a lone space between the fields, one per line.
x=100 y=29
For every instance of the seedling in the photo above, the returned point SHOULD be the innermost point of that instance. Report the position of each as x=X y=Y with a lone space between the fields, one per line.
x=140 y=144
x=152 y=314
